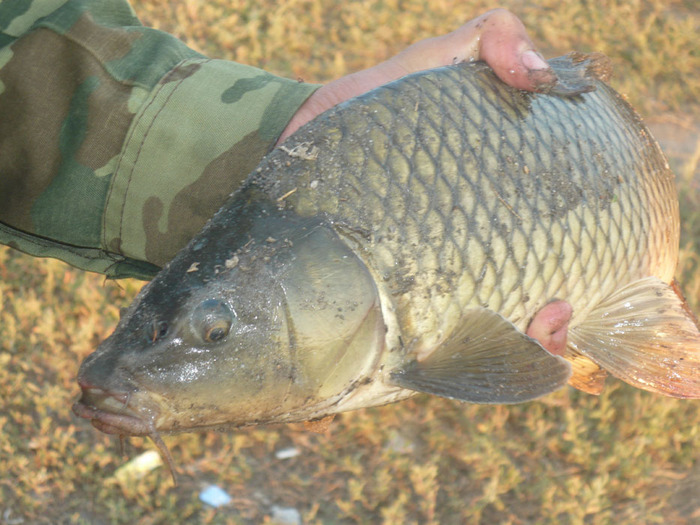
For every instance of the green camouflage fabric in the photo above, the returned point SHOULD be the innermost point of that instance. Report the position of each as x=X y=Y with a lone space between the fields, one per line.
x=117 y=141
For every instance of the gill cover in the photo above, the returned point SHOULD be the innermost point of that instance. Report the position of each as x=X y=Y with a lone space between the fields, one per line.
x=334 y=319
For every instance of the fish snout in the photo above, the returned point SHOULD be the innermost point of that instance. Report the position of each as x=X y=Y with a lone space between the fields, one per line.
x=101 y=370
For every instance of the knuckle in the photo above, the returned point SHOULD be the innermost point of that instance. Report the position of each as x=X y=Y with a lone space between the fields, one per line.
x=500 y=13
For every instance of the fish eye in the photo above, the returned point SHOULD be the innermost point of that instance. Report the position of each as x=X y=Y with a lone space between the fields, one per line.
x=212 y=319
x=157 y=330
x=217 y=332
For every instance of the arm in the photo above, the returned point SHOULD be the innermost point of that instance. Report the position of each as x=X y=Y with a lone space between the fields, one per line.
x=498 y=37
x=183 y=130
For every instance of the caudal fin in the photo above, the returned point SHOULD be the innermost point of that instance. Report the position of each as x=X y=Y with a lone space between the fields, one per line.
x=646 y=335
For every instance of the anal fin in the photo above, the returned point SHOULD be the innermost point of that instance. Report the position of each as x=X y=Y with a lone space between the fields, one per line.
x=645 y=335
x=587 y=375
x=487 y=360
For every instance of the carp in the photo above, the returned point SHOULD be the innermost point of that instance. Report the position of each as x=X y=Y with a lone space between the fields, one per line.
x=400 y=243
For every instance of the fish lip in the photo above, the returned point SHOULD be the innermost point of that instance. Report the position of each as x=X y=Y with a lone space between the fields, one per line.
x=122 y=422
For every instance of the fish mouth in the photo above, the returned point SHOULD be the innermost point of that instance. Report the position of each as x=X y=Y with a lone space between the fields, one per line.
x=109 y=412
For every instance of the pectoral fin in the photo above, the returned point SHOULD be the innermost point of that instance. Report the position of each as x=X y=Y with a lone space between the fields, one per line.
x=645 y=335
x=488 y=360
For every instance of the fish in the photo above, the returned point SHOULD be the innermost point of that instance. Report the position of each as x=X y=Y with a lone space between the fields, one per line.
x=400 y=243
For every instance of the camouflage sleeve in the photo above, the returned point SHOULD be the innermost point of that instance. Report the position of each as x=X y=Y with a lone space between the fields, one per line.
x=118 y=142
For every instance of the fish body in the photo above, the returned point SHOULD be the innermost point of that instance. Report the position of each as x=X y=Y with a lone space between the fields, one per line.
x=401 y=243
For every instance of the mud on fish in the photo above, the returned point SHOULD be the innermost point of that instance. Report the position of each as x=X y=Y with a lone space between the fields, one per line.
x=401 y=243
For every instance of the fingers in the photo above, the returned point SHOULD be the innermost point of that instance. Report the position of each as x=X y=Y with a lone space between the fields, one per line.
x=550 y=325
x=499 y=38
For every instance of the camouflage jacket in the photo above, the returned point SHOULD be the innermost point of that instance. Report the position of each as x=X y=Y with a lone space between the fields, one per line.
x=117 y=141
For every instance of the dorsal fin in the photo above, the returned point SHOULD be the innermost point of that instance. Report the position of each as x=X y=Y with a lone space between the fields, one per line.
x=577 y=73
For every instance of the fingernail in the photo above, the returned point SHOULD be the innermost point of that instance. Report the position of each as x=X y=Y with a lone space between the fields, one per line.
x=533 y=61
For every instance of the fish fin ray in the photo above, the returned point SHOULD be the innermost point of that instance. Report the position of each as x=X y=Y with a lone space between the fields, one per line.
x=578 y=73
x=487 y=360
x=645 y=335
x=586 y=375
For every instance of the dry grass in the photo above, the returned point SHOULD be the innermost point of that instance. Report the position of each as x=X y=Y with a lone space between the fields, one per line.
x=624 y=457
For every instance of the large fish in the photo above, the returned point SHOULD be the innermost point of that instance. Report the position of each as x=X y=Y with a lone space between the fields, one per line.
x=401 y=243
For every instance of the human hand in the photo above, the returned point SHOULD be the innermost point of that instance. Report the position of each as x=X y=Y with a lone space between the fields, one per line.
x=550 y=325
x=498 y=37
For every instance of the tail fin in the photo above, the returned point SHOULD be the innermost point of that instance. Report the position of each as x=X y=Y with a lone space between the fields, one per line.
x=644 y=334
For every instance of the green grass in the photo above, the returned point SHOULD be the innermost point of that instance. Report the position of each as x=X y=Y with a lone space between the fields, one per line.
x=624 y=457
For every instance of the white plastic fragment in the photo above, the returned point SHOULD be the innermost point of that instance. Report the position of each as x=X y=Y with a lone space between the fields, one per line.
x=287 y=453
x=285 y=515
x=138 y=467
x=8 y=520
x=214 y=496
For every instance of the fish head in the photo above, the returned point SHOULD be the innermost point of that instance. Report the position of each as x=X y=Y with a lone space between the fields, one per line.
x=267 y=318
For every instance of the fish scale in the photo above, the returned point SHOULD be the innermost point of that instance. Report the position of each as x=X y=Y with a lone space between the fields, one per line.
x=583 y=218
